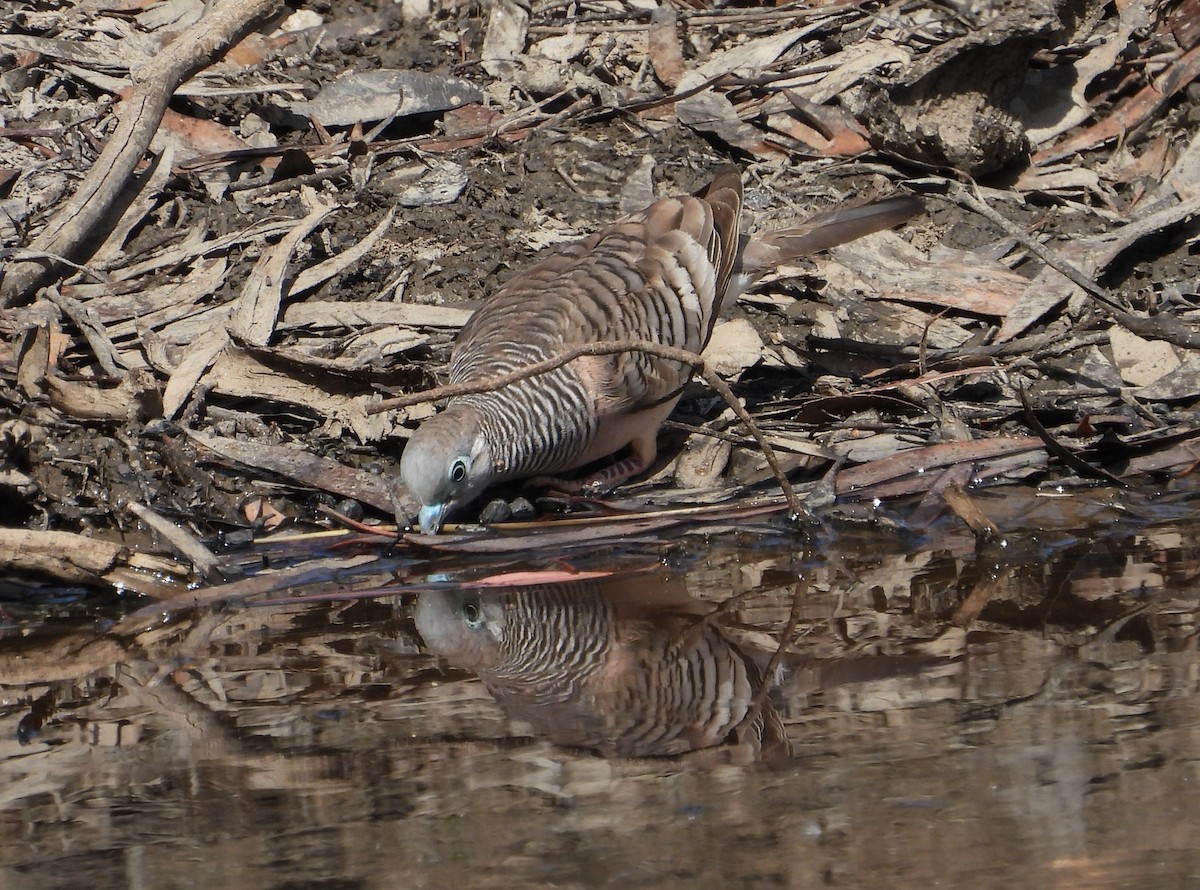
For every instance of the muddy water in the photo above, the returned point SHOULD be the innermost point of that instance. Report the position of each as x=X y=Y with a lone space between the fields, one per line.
x=1022 y=716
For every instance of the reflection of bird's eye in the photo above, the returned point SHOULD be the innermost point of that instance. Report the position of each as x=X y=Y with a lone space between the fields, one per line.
x=471 y=614
x=458 y=471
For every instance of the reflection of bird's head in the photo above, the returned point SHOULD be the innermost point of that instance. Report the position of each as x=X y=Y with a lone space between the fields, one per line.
x=465 y=627
x=526 y=634
x=447 y=463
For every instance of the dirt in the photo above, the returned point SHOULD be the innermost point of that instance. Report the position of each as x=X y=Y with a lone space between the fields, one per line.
x=1050 y=666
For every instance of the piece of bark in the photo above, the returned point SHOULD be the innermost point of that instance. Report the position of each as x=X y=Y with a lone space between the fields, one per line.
x=329 y=314
x=862 y=481
x=81 y=560
x=135 y=398
x=243 y=374
x=199 y=358
x=666 y=54
x=886 y=267
x=305 y=468
x=39 y=660
x=184 y=542
x=951 y=107
x=257 y=309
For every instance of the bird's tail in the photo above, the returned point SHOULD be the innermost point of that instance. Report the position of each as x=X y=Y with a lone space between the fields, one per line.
x=763 y=253
x=724 y=195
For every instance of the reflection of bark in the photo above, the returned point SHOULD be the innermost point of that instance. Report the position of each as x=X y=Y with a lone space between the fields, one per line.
x=192 y=728
x=42 y=661
x=625 y=672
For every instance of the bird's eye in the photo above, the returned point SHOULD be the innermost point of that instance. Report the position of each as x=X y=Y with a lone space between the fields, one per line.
x=458 y=470
x=471 y=615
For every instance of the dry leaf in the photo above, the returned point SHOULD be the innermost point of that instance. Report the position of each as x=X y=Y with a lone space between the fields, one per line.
x=360 y=96
x=504 y=40
x=261 y=513
x=666 y=54
x=1140 y=361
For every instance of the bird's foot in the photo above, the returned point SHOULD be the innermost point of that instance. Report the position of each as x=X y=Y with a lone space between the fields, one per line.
x=599 y=483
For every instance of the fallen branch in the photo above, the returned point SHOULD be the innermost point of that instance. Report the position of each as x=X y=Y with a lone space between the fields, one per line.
x=658 y=350
x=78 y=559
x=90 y=208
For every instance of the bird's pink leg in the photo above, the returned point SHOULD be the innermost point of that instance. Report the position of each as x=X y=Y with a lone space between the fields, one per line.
x=644 y=450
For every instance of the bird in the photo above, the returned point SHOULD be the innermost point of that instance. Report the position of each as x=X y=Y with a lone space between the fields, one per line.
x=660 y=275
x=625 y=666
x=632 y=665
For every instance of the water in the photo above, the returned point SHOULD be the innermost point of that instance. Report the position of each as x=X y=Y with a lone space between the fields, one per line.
x=1026 y=715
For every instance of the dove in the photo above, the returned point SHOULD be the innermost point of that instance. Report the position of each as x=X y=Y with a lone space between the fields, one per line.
x=628 y=667
x=632 y=665
x=660 y=275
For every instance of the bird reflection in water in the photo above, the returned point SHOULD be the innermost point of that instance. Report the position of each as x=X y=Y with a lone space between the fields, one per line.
x=628 y=669
x=633 y=666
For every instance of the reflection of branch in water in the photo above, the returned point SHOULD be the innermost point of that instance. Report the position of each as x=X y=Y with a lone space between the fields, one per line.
x=626 y=672
x=772 y=668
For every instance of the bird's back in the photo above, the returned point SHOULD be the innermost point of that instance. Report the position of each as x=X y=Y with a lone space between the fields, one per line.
x=658 y=275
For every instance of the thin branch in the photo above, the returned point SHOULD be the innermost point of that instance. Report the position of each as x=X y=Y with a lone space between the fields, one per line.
x=658 y=350
x=92 y=328
x=799 y=592
x=20 y=254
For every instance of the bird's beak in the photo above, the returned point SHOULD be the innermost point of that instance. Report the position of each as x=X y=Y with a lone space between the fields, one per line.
x=432 y=516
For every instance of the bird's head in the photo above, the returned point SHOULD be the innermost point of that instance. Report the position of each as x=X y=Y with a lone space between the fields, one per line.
x=447 y=463
x=466 y=627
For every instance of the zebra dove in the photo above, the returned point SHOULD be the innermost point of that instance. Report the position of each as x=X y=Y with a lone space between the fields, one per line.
x=626 y=667
x=660 y=275
x=633 y=665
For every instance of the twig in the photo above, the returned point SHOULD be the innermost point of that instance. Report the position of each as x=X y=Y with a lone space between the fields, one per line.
x=768 y=674
x=92 y=328
x=658 y=350
x=22 y=255
x=1059 y=450
x=89 y=210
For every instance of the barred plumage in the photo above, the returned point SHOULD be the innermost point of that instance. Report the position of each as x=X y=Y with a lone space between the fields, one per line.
x=660 y=275
x=634 y=674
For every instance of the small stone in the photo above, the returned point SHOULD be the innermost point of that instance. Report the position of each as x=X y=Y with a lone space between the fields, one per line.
x=351 y=509
x=522 y=509
x=496 y=511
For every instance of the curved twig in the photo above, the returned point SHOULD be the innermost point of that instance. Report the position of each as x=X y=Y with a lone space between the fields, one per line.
x=1159 y=327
